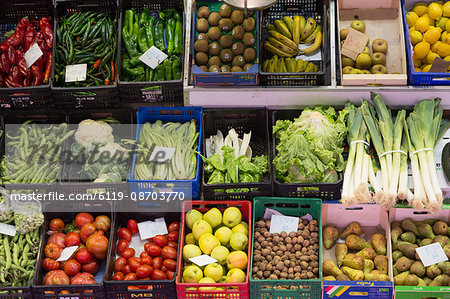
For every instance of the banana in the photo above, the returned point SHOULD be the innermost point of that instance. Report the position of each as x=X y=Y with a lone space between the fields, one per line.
x=272 y=64
x=305 y=64
x=283 y=29
x=279 y=45
x=283 y=66
x=296 y=30
x=272 y=49
x=299 y=65
x=278 y=66
x=270 y=27
x=302 y=25
x=310 y=39
x=289 y=23
x=314 y=47
x=290 y=65
x=265 y=65
x=309 y=28
x=316 y=68
x=309 y=68
x=283 y=39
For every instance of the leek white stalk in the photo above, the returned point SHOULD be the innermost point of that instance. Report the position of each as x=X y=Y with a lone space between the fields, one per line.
x=398 y=133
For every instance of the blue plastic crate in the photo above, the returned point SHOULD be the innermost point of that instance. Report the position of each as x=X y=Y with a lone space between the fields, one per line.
x=168 y=114
x=419 y=78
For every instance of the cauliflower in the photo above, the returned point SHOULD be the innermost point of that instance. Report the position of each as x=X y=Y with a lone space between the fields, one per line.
x=111 y=148
x=90 y=131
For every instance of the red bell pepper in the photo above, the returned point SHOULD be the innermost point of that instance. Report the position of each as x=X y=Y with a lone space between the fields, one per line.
x=29 y=36
x=11 y=55
x=5 y=65
x=38 y=77
x=28 y=81
x=10 y=83
x=47 y=30
x=22 y=64
x=14 y=75
x=17 y=38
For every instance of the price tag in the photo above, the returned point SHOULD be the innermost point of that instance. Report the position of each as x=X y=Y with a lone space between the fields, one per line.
x=439 y=66
x=76 y=72
x=7 y=229
x=431 y=254
x=354 y=44
x=33 y=54
x=203 y=260
x=286 y=224
x=162 y=154
x=153 y=57
x=149 y=229
x=67 y=253
x=269 y=212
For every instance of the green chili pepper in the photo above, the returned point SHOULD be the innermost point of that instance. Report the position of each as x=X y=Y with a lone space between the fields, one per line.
x=133 y=72
x=129 y=21
x=168 y=69
x=159 y=35
x=149 y=31
x=130 y=43
x=170 y=32
x=160 y=73
x=177 y=69
x=178 y=35
x=142 y=40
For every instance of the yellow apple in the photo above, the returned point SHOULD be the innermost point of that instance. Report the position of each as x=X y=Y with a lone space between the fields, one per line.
x=213 y=217
x=240 y=228
x=192 y=274
x=237 y=259
x=232 y=217
x=191 y=250
x=220 y=253
x=192 y=216
x=235 y=275
x=207 y=242
x=200 y=227
x=214 y=271
x=238 y=241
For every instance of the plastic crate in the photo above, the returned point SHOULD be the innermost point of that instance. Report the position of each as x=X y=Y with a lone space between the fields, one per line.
x=162 y=289
x=306 y=288
x=84 y=97
x=169 y=114
x=10 y=13
x=325 y=191
x=308 y=8
x=87 y=291
x=243 y=121
x=419 y=78
x=230 y=290
x=72 y=183
x=164 y=93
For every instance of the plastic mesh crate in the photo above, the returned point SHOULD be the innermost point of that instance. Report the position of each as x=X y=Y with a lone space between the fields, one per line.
x=308 y=8
x=10 y=13
x=302 y=288
x=243 y=121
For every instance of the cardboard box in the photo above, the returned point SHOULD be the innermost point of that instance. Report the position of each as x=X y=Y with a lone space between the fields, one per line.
x=373 y=219
x=383 y=19
x=409 y=292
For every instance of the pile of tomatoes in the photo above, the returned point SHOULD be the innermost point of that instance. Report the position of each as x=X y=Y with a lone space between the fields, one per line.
x=158 y=261
x=89 y=235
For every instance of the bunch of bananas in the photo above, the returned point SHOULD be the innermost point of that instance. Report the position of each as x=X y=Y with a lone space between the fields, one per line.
x=285 y=36
x=288 y=65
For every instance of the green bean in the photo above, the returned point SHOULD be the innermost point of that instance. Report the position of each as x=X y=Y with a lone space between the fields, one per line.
x=12 y=266
x=15 y=255
x=25 y=255
x=8 y=253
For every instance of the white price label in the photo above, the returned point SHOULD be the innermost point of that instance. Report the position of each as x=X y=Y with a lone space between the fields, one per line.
x=431 y=254
x=269 y=212
x=149 y=229
x=67 y=253
x=153 y=57
x=203 y=260
x=286 y=224
x=7 y=229
x=33 y=54
x=76 y=72
x=162 y=154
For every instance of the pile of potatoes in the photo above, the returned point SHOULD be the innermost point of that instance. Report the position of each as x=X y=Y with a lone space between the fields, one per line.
x=285 y=256
x=408 y=268
x=356 y=259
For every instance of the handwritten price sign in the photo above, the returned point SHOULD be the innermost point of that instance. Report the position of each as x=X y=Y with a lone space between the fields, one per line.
x=354 y=44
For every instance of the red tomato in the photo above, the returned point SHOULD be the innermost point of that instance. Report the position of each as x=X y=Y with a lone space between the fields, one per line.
x=124 y=233
x=72 y=267
x=59 y=239
x=83 y=278
x=72 y=239
x=102 y=223
x=174 y=226
x=160 y=240
x=130 y=276
x=146 y=260
x=127 y=253
x=154 y=250
x=173 y=236
x=91 y=266
x=169 y=253
x=132 y=226
x=143 y=253
x=133 y=288
x=173 y=245
x=86 y=231
x=134 y=263
x=122 y=245
x=50 y=264
x=158 y=275
x=57 y=225
x=119 y=264
x=56 y=277
x=171 y=265
x=118 y=276
x=52 y=251
x=170 y=275
x=83 y=218
x=83 y=256
x=147 y=245
x=157 y=262
x=144 y=271
x=145 y=278
x=97 y=244
x=163 y=268
x=126 y=269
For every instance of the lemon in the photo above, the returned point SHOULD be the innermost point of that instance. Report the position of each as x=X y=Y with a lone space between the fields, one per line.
x=420 y=9
x=424 y=60
x=434 y=11
x=416 y=37
x=447 y=58
x=441 y=23
x=411 y=29
x=422 y=24
x=432 y=35
x=434 y=46
x=443 y=50
x=411 y=18
x=447 y=26
x=417 y=62
x=426 y=68
x=430 y=19
x=446 y=9
x=422 y=49
x=431 y=57
x=418 y=69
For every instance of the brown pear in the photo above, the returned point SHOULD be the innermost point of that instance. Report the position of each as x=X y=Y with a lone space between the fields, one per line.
x=409 y=250
x=433 y=271
x=443 y=240
x=421 y=283
x=440 y=228
x=376 y=275
x=355 y=242
x=330 y=268
x=440 y=280
x=396 y=224
x=417 y=268
x=408 y=237
x=425 y=230
x=396 y=232
x=409 y=226
x=447 y=250
x=342 y=277
x=378 y=242
x=368 y=266
x=330 y=235
x=367 y=253
x=341 y=251
x=329 y=278
x=396 y=255
x=381 y=263
x=352 y=228
x=399 y=279
x=403 y=264
x=353 y=261
x=353 y=274
x=445 y=267
x=395 y=270
x=425 y=242
x=411 y=280
x=427 y=280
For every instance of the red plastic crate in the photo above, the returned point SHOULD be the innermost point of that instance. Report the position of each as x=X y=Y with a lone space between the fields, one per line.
x=230 y=290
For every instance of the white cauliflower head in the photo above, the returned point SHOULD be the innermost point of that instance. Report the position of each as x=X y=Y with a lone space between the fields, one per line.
x=90 y=131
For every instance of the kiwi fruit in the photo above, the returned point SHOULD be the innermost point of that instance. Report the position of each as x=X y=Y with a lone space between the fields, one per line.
x=201 y=58
x=214 y=18
x=247 y=66
x=237 y=17
x=225 y=11
x=201 y=46
x=203 y=68
x=214 y=60
x=202 y=25
x=214 y=69
x=203 y=12
x=225 y=24
x=226 y=41
x=237 y=48
x=226 y=56
x=249 y=24
x=250 y=54
x=249 y=39
x=238 y=61
x=214 y=49
x=203 y=36
x=225 y=68
x=236 y=69
x=238 y=32
x=214 y=34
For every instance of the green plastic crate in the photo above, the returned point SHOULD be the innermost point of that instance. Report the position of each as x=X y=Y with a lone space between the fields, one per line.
x=307 y=288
